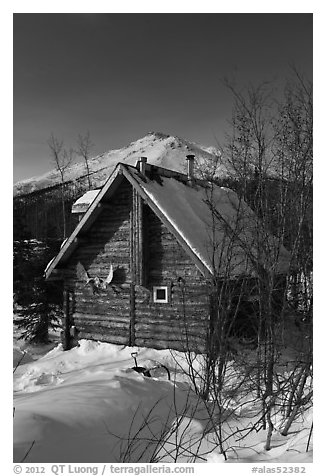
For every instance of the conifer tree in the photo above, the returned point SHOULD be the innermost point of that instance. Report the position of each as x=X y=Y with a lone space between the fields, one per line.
x=37 y=302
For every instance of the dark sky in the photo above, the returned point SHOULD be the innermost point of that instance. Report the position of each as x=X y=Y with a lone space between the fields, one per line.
x=122 y=75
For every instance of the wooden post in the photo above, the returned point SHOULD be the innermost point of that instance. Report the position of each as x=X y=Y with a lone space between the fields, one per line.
x=132 y=271
x=65 y=334
x=136 y=238
x=140 y=240
x=136 y=256
x=132 y=315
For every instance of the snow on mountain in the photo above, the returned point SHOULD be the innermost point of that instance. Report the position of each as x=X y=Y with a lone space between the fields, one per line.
x=160 y=149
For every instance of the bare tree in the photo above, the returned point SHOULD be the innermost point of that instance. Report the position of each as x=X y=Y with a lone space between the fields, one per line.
x=270 y=155
x=62 y=159
x=294 y=153
x=84 y=147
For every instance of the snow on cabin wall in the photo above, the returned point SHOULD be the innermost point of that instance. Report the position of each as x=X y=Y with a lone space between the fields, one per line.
x=112 y=315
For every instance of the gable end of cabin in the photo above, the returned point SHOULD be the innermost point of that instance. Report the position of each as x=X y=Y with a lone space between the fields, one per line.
x=157 y=297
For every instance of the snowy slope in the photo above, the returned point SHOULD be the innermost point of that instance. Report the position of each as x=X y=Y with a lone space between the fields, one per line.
x=160 y=149
x=88 y=405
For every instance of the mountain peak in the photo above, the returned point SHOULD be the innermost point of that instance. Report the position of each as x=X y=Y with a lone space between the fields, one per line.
x=159 y=135
x=161 y=149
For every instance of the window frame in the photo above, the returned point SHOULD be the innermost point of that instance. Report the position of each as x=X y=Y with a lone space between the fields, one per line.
x=159 y=288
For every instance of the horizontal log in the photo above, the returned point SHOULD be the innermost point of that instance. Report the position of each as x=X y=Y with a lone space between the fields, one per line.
x=169 y=258
x=121 y=275
x=172 y=271
x=122 y=289
x=103 y=307
x=86 y=296
x=116 y=315
x=105 y=331
x=114 y=290
x=171 y=323
x=119 y=218
x=149 y=319
x=121 y=272
x=105 y=326
x=100 y=266
x=119 y=321
x=110 y=303
x=113 y=229
x=109 y=295
x=109 y=246
x=123 y=200
x=178 y=345
x=154 y=311
x=174 y=334
x=80 y=317
x=173 y=337
x=91 y=317
x=159 y=343
x=124 y=340
x=123 y=204
x=108 y=238
x=106 y=296
x=176 y=317
x=113 y=232
x=167 y=341
x=175 y=303
x=192 y=293
x=173 y=314
x=100 y=259
x=109 y=235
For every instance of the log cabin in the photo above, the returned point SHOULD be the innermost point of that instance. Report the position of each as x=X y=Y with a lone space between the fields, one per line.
x=141 y=266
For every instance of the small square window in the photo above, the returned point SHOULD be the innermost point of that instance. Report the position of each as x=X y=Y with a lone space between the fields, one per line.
x=160 y=294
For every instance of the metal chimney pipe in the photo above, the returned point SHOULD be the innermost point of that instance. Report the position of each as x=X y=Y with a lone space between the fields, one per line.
x=142 y=165
x=190 y=166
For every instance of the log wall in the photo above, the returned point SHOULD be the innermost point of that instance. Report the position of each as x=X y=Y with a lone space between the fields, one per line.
x=125 y=313
x=182 y=322
x=105 y=315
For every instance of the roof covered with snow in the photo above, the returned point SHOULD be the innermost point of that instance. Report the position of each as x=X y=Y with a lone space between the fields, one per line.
x=219 y=231
x=218 y=228
x=83 y=202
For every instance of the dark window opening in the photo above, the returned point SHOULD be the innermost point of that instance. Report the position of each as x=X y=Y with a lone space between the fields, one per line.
x=160 y=294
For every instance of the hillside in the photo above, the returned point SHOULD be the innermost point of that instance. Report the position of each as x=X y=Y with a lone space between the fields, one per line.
x=160 y=149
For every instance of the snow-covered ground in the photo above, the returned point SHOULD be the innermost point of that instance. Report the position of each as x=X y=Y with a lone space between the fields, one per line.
x=88 y=405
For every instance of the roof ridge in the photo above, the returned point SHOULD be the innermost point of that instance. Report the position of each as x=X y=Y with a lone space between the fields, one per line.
x=165 y=172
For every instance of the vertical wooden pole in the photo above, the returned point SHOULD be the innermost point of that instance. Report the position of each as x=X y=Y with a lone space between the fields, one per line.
x=132 y=334
x=132 y=271
x=136 y=257
x=136 y=237
x=140 y=240
x=65 y=334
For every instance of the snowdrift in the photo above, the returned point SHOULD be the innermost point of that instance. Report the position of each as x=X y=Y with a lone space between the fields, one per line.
x=88 y=405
